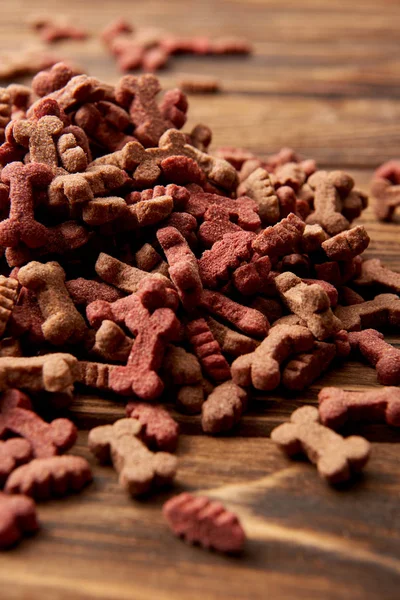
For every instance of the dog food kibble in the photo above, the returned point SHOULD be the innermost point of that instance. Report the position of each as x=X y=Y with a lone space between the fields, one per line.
x=135 y=262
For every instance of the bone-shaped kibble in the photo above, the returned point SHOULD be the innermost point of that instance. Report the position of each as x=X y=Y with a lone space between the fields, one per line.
x=63 y=323
x=79 y=90
x=216 y=224
x=374 y=272
x=153 y=331
x=98 y=122
x=384 y=357
x=145 y=163
x=230 y=341
x=44 y=478
x=310 y=303
x=337 y=406
x=280 y=239
x=223 y=408
x=21 y=225
x=242 y=211
x=139 y=93
x=50 y=372
x=336 y=458
x=181 y=367
x=252 y=278
x=200 y=520
x=385 y=189
x=216 y=265
x=139 y=469
x=183 y=268
x=17 y=416
x=38 y=135
x=159 y=429
x=258 y=186
x=17 y=517
x=46 y=82
x=13 y=452
x=261 y=368
x=248 y=320
x=84 y=291
x=8 y=299
x=347 y=244
x=207 y=350
x=382 y=311
x=304 y=368
x=72 y=156
x=123 y=276
x=94 y=375
x=327 y=201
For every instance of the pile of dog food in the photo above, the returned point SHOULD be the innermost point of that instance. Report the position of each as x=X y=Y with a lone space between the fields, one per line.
x=136 y=263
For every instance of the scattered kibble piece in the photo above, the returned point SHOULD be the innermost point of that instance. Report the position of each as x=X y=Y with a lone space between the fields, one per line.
x=17 y=518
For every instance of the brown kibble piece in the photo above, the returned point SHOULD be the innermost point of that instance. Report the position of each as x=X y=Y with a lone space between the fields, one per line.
x=328 y=188
x=385 y=188
x=304 y=368
x=63 y=323
x=207 y=350
x=310 y=303
x=347 y=244
x=374 y=272
x=337 y=406
x=232 y=342
x=382 y=311
x=119 y=274
x=8 y=299
x=17 y=518
x=261 y=368
x=200 y=520
x=258 y=186
x=111 y=343
x=94 y=375
x=140 y=470
x=44 y=478
x=50 y=372
x=159 y=430
x=223 y=408
x=313 y=238
x=336 y=457
x=181 y=367
x=216 y=265
x=200 y=86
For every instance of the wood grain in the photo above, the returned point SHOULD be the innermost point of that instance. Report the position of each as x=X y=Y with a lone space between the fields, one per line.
x=324 y=79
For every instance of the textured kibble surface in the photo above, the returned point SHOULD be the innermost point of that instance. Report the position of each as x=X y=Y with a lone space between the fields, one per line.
x=168 y=299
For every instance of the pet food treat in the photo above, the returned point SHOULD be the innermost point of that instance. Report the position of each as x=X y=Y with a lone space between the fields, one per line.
x=261 y=368
x=382 y=311
x=216 y=224
x=181 y=367
x=153 y=331
x=280 y=239
x=111 y=343
x=259 y=187
x=347 y=244
x=248 y=320
x=337 y=406
x=328 y=190
x=313 y=238
x=337 y=458
x=94 y=375
x=53 y=29
x=46 y=82
x=139 y=469
x=159 y=430
x=373 y=272
x=63 y=323
x=13 y=452
x=8 y=299
x=26 y=61
x=304 y=368
x=223 y=407
x=230 y=341
x=269 y=307
x=18 y=417
x=119 y=274
x=50 y=372
x=183 y=268
x=310 y=303
x=21 y=225
x=216 y=265
x=44 y=478
x=200 y=520
x=330 y=289
x=17 y=518
x=252 y=278
x=84 y=291
x=207 y=350
x=384 y=357
x=385 y=188
x=200 y=86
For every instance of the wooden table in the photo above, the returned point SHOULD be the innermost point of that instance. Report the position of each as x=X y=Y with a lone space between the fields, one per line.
x=324 y=79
